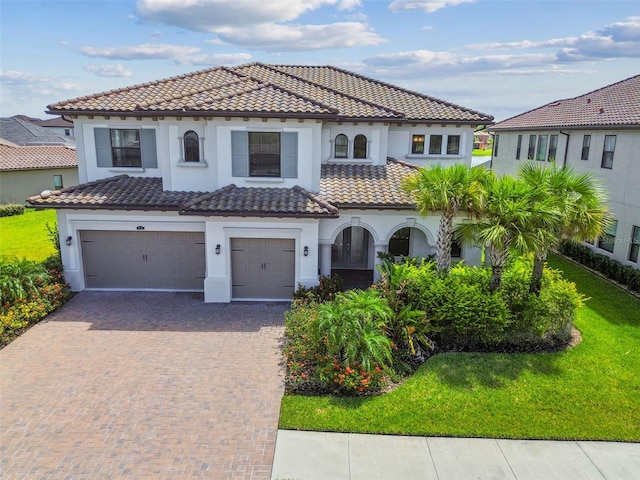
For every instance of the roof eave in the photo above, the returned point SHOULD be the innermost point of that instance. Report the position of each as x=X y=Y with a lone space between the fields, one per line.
x=611 y=126
x=209 y=213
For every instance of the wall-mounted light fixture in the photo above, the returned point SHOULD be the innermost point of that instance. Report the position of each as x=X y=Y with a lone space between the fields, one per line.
x=305 y=251
x=68 y=241
x=218 y=249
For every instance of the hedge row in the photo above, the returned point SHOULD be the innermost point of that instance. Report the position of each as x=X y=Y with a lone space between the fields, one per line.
x=11 y=209
x=612 y=269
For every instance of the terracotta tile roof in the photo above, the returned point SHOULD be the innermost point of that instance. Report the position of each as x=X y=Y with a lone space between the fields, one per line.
x=116 y=193
x=135 y=193
x=346 y=186
x=14 y=157
x=614 y=105
x=367 y=186
x=232 y=200
x=257 y=88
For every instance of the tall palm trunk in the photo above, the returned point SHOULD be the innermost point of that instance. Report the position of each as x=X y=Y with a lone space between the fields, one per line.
x=536 y=277
x=498 y=258
x=445 y=237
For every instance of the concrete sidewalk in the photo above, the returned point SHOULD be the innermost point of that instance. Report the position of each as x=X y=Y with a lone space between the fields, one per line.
x=321 y=455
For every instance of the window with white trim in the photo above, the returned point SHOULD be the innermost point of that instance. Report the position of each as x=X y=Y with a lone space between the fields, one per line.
x=607 y=151
x=586 y=144
x=191 y=143
x=453 y=144
x=608 y=239
x=360 y=144
x=126 y=147
x=341 y=146
x=435 y=144
x=264 y=154
x=519 y=147
x=417 y=144
x=634 y=247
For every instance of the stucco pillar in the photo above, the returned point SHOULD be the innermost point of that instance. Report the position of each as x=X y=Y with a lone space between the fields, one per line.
x=379 y=248
x=325 y=259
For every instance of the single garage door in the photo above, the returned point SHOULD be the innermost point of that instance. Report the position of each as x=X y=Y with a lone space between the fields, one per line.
x=143 y=260
x=262 y=268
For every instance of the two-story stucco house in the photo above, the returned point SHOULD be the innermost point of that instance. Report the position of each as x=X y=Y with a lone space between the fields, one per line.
x=245 y=182
x=598 y=132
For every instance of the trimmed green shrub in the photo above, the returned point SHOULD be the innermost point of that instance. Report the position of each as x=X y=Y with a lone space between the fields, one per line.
x=11 y=209
x=610 y=268
x=325 y=291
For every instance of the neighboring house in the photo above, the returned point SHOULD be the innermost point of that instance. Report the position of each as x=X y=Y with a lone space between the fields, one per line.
x=598 y=132
x=27 y=171
x=481 y=140
x=58 y=126
x=245 y=182
x=23 y=130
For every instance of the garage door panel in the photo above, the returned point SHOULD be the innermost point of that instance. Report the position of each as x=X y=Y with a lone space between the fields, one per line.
x=143 y=260
x=263 y=268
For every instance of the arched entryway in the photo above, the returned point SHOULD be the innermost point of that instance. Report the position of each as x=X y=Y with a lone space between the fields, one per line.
x=352 y=257
x=408 y=241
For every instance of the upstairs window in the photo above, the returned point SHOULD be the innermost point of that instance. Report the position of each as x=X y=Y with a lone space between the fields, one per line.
x=541 y=151
x=57 y=182
x=119 y=147
x=264 y=154
x=519 y=147
x=417 y=144
x=453 y=144
x=586 y=143
x=341 y=147
x=191 y=147
x=532 y=147
x=360 y=146
x=553 y=148
x=435 y=144
x=635 y=244
x=608 y=239
x=607 y=151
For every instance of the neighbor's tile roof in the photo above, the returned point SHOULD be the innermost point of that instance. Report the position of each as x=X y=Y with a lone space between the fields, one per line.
x=232 y=200
x=259 y=89
x=366 y=186
x=341 y=186
x=15 y=157
x=23 y=130
x=614 y=105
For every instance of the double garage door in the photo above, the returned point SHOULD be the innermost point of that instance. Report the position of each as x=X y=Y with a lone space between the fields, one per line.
x=261 y=268
x=143 y=260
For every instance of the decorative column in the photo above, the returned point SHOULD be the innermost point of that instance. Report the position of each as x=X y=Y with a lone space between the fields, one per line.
x=325 y=259
x=379 y=248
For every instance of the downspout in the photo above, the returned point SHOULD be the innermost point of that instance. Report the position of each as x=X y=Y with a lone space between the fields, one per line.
x=566 y=150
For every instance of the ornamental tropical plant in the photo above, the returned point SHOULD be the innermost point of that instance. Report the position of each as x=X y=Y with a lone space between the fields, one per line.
x=514 y=219
x=581 y=202
x=450 y=191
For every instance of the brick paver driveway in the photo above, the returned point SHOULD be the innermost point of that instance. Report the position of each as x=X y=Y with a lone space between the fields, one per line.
x=143 y=385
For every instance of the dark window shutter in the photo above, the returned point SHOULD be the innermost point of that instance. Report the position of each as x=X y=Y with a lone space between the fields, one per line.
x=289 y=155
x=239 y=153
x=103 y=147
x=148 y=148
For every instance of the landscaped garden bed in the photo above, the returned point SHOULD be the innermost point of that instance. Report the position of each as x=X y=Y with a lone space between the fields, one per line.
x=589 y=391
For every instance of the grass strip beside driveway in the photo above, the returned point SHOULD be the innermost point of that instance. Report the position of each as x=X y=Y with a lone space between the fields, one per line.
x=590 y=392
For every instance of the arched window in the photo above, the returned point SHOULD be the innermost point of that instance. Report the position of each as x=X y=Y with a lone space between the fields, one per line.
x=399 y=243
x=191 y=147
x=341 y=147
x=360 y=146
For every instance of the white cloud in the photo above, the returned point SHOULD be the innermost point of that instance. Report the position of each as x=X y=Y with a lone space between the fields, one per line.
x=262 y=24
x=427 y=6
x=139 y=52
x=214 y=59
x=618 y=40
x=14 y=77
x=208 y=15
x=301 y=37
x=114 y=70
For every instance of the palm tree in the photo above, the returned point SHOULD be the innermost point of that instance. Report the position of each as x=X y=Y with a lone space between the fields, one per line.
x=513 y=220
x=449 y=190
x=581 y=202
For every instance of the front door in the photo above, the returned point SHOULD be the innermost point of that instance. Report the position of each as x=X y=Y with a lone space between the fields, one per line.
x=351 y=249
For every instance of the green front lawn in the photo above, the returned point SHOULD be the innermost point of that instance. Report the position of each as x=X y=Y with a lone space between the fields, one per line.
x=591 y=391
x=478 y=152
x=26 y=235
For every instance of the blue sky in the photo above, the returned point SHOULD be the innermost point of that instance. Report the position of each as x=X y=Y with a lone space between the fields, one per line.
x=498 y=57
